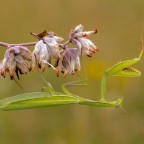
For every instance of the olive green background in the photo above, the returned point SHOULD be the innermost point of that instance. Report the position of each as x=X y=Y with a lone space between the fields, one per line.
x=120 y=25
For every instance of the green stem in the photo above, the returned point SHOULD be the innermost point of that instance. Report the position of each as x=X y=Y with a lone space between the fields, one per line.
x=103 y=87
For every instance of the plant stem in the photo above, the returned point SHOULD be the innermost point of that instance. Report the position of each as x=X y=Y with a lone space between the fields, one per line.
x=64 y=46
x=24 y=44
x=7 y=45
x=4 y=44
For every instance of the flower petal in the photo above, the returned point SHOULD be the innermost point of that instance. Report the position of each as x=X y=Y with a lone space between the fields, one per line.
x=39 y=55
x=23 y=67
x=11 y=64
x=86 y=42
x=58 y=39
x=70 y=62
x=85 y=34
x=25 y=53
x=78 y=28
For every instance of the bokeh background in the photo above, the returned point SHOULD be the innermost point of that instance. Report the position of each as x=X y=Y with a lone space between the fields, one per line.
x=120 y=25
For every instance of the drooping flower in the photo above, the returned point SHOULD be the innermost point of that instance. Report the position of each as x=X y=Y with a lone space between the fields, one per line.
x=16 y=60
x=52 y=45
x=87 y=47
x=45 y=49
x=70 y=63
x=78 y=28
x=80 y=39
x=39 y=55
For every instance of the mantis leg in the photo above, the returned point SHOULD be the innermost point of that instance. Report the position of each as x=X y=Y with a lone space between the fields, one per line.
x=75 y=83
x=48 y=87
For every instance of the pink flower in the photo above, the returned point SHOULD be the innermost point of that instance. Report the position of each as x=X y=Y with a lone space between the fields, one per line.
x=52 y=45
x=39 y=55
x=15 y=60
x=70 y=63
x=87 y=47
x=80 y=39
x=44 y=50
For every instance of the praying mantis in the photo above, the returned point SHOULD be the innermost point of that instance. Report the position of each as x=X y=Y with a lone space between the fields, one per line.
x=50 y=97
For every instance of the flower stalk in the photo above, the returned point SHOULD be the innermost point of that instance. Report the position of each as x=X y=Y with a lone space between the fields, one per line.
x=7 y=45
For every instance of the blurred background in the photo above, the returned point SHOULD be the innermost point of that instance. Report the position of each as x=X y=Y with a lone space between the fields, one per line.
x=120 y=25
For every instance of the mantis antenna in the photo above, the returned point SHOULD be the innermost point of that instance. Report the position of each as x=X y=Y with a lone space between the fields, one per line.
x=18 y=83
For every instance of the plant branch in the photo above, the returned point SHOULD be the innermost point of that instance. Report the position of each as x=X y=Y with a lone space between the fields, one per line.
x=24 y=44
x=64 y=46
x=4 y=44
x=7 y=45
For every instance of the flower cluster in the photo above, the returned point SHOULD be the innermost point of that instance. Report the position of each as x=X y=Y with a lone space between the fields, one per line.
x=70 y=62
x=17 y=57
x=80 y=39
x=16 y=60
x=45 y=49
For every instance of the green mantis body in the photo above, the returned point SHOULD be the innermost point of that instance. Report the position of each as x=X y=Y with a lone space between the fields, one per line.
x=50 y=97
x=34 y=100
